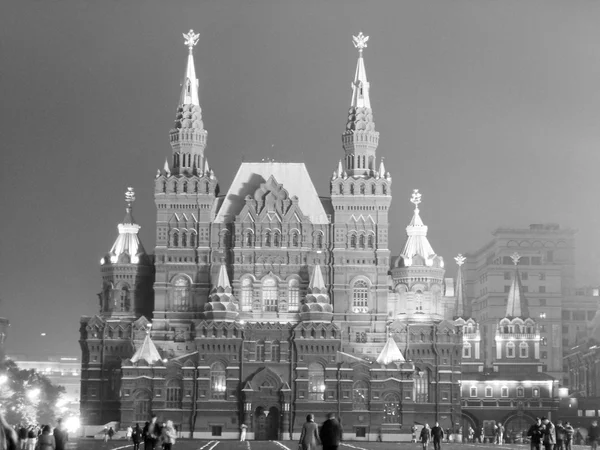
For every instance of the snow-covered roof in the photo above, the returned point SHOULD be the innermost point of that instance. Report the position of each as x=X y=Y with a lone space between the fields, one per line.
x=147 y=351
x=295 y=180
x=390 y=353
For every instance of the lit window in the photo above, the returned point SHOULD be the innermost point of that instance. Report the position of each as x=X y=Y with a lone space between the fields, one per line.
x=293 y=295
x=542 y=315
x=360 y=297
x=421 y=386
x=246 y=297
x=535 y=392
x=269 y=294
x=504 y=391
x=181 y=293
x=391 y=408
x=466 y=350
x=360 y=395
x=217 y=381
x=488 y=391
x=523 y=350
x=473 y=391
x=316 y=381
x=510 y=350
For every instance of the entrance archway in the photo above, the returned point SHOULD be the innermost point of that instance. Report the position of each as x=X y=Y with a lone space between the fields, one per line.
x=516 y=427
x=266 y=424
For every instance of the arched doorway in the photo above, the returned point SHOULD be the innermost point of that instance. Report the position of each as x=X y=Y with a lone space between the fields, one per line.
x=516 y=427
x=266 y=424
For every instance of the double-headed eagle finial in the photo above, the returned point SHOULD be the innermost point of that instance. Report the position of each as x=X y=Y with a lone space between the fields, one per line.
x=360 y=41
x=191 y=39
x=416 y=198
x=515 y=258
x=460 y=259
x=129 y=196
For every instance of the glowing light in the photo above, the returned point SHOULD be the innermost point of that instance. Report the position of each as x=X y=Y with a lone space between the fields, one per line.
x=72 y=424
x=33 y=394
x=3 y=379
x=42 y=334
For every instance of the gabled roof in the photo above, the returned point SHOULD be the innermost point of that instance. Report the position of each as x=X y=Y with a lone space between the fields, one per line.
x=390 y=353
x=296 y=181
x=146 y=352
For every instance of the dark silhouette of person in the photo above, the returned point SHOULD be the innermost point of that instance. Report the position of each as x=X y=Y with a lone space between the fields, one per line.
x=331 y=433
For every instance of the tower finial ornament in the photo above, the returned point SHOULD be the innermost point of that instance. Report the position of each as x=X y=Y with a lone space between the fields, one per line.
x=191 y=39
x=515 y=258
x=460 y=259
x=416 y=198
x=129 y=196
x=360 y=41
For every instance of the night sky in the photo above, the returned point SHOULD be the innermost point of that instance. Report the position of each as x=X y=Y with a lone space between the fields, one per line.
x=490 y=108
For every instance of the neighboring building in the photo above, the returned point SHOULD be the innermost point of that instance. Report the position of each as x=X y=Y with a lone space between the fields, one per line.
x=269 y=302
x=547 y=273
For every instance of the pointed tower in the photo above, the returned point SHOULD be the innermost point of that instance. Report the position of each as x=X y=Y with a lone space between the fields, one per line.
x=361 y=198
x=518 y=335
x=418 y=273
x=127 y=271
x=317 y=306
x=222 y=305
x=184 y=194
x=471 y=351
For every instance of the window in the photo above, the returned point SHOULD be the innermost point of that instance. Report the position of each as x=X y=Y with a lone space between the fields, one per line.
x=361 y=432
x=542 y=276
x=360 y=395
x=550 y=256
x=542 y=289
x=275 y=351
x=510 y=350
x=246 y=297
x=489 y=391
x=319 y=241
x=504 y=391
x=507 y=275
x=391 y=408
x=181 y=294
x=268 y=239
x=124 y=299
x=520 y=392
x=542 y=302
x=173 y=394
x=473 y=391
x=421 y=386
x=260 y=350
x=466 y=350
x=192 y=239
x=370 y=240
x=141 y=406
x=361 y=241
x=175 y=239
x=535 y=392
x=524 y=276
x=542 y=315
x=217 y=381
x=544 y=342
x=295 y=239
x=276 y=239
x=523 y=350
x=249 y=241
x=184 y=239
x=216 y=430
x=360 y=297
x=316 y=381
x=269 y=294
x=353 y=241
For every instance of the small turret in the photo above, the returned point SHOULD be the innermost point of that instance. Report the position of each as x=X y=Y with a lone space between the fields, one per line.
x=222 y=305
x=317 y=306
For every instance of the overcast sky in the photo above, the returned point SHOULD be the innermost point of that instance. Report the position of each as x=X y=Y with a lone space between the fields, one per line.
x=490 y=108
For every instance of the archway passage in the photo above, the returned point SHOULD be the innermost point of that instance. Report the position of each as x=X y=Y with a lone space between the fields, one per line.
x=516 y=428
x=266 y=424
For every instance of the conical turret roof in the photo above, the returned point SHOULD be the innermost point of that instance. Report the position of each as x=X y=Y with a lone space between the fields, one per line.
x=516 y=305
x=390 y=353
x=146 y=352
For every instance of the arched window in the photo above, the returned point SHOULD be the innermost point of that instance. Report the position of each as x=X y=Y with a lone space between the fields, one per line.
x=124 y=299
x=360 y=396
x=184 y=189
x=246 y=296
x=316 y=382
x=184 y=239
x=319 y=240
x=276 y=239
x=373 y=189
x=269 y=294
x=419 y=300
x=174 y=394
x=181 y=294
x=268 y=239
x=352 y=189
x=295 y=239
x=260 y=350
x=361 y=241
x=384 y=189
x=510 y=349
x=362 y=186
x=421 y=386
x=523 y=350
x=391 y=408
x=370 y=240
x=275 y=351
x=341 y=186
x=360 y=297
x=466 y=350
x=249 y=238
x=192 y=239
x=352 y=241
x=218 y=382
x=175 y=239
x=293 y=295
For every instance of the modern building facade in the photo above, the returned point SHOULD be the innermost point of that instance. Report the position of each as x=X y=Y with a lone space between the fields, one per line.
x=270 y=302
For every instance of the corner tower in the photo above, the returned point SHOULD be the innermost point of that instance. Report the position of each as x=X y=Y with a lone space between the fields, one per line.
x=361 y=197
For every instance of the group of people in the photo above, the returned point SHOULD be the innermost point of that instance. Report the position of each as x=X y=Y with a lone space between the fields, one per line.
x=33 y=437
x=559 y=437
x=435 y=434
x=329 y=436
x=153 y=435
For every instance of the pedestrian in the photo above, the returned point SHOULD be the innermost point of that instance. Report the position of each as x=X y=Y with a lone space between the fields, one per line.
x=22 y=434
x=243 y=430
x=309 y=437
x=437 y=434
x=111 y=433
x=471 y=435
x=9 y=438
x=594 y=435
x=105 y=435
x=168 y=435
x=413 y=430
x=481 y=435
x=425 y=436
x=331 y=433
x=549 y=434
x=152 y=433
x=129 y=432
x=136 y=436
x=561 y=435
x=61 y=435
x=31 y=437
x=535 y=434
x=46 y=440
x=500 y=434
x=569 y=433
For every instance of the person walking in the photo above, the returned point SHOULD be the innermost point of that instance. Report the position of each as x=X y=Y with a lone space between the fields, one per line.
x=309 y=437
x=549 y=434
x=243 y=431
x=437 y=434
x=331 y=433
x=22 y=437
x=594 y=435
x=168 y=435
x=561 y=435
x=31 y=437
x=425 y=436
x=136 y=436
x=569 y=433
x=500 y=434
x=61 y=436
x=105 y=435
x=46 y=440
x=152 y=432
x=535 y=434
x=9 y=438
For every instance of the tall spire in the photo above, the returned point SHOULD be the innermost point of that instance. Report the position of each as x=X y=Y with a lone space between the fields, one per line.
x=516 y=305
x=360 y=139
x=189 y=87
x=223 y=281
x=460 y=287
x=417 y=244
x=317 y=284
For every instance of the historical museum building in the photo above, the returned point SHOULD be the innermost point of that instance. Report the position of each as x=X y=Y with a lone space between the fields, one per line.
x=269 y=302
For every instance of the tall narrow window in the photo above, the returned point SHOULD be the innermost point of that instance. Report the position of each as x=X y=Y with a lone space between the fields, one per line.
x=184 y=239
x=249 y=238
x=316 y=381
x=295 y=239
x=276 y=239
x=360 y=395
x=246 y=297
x=523 y=350
x=181 y=294
x=353 y=241
x=510 y=350
x=268 y=239
x=319 y=240
x=173 y=394
x=360 y=297
x=370 y=240
x=260 y=350
x=421 y=386
x=466 y=350
x=192 y=239
x=391 y=408
x=275 y=351
x=293 y=295
x=175 y=239
x=141 y=406
x=361 y=241
x=217 y=381
x=269 y=294
x=124 y=299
